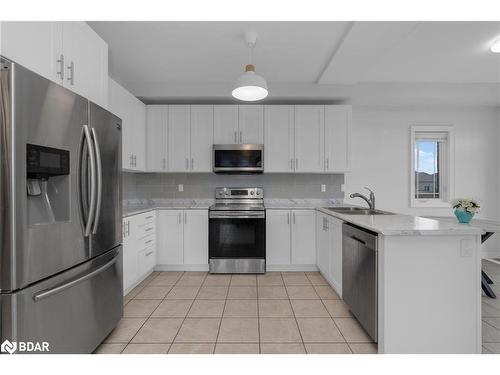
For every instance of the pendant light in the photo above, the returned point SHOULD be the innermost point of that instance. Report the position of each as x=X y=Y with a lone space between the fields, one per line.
x=250 y=86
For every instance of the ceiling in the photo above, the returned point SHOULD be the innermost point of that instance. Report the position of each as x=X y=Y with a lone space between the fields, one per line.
x=168 y=61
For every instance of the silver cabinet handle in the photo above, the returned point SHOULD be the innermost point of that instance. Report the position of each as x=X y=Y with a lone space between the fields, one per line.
x=192 y=163
x=187 y=164
x=185 y=218
x=293 y=216
x=149 y=217
x=61 y=66
x=327 y=164
x=235 y=136
x=291 y=164
x=149 y=253
x=50 y=292
x=93 y=182
x=131 y=163
x=71 y=69
x=148 y=241
x=241 y=136
x=148 y=229
x=135 y=160
x=128 y=228
x=99 y=180
x=288 y=218
x=180 y=217
x=297 y=163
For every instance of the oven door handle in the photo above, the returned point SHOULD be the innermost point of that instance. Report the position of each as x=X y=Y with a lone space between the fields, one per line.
x=236 y=215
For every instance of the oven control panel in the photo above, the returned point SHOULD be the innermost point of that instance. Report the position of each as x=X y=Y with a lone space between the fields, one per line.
x=239 y=193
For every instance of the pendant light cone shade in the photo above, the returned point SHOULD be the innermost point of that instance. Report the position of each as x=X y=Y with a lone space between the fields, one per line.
x=250 y=86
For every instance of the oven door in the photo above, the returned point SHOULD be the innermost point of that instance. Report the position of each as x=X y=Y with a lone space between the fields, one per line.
x=237 y=234
x=238 y=158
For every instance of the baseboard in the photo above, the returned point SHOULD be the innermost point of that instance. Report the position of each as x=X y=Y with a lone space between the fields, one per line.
x=181 y=267
x=140 y=280
x=292 y=268
x=335 y=285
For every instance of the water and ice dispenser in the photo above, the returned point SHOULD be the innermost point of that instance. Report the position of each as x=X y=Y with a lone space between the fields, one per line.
x=48 y=184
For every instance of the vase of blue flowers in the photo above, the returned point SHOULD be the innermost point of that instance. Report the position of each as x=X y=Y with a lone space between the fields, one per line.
x=465 y=209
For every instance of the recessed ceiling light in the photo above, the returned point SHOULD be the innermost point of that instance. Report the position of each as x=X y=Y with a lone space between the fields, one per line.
x=250 y=86
x=495 y=47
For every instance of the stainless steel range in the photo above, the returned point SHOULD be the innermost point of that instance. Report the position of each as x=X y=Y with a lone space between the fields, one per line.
x=237 y=231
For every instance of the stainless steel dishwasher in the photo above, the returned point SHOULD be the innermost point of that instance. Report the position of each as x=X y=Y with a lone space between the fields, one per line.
x=359 y=275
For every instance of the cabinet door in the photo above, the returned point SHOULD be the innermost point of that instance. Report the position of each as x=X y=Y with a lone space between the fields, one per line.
x=322 y=243
x=278 y=237
x=120 y=104
x=278 y=138
x=196 y=237
x=303 y=237
x=170 y=237
x=86 y=60
x=337 y=137
x=178 y=138
x=226 y=124
x=202 y=130
x=130 y=253
x=156 y=126
x=139 y=140
x=309 y=138
x=35 y=45
x=251 y=124
x=335 y=238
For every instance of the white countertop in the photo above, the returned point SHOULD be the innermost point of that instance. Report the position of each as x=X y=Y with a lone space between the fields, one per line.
x=389 y=225
x=405 y=225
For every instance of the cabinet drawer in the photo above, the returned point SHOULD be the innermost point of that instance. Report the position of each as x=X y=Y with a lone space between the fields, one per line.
x=147 y=260
x=148 y=241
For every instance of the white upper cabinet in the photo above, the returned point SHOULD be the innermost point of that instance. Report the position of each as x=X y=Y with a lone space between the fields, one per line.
x=179 y=119
x=278 y=138
x=156 y=140
x=251 y=124
x=86 y=61
x=133 y=114
x=68 y=53
x=338 y=119
x=226 y=124
x=35 y=45
x=202 y=130
x=309 y=138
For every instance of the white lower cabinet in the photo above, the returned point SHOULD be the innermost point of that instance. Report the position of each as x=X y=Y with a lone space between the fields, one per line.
x=182 y=238
x=139 y=248
x=290 y=237
x=329 y=249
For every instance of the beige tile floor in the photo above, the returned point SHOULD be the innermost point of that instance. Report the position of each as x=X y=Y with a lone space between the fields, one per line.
x=195 y=312
x=491 y=311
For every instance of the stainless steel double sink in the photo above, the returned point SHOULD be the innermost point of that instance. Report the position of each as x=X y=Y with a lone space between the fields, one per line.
x=357 y=211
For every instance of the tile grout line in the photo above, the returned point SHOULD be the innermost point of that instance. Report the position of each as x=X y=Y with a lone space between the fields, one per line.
x=294 y=316
x=223 y=311
x=187 y=312
x=147 y=318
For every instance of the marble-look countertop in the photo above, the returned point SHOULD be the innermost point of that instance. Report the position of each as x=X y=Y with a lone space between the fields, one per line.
x=484 y=224
x=139 y=206
x=389 y=225
x=406 y=225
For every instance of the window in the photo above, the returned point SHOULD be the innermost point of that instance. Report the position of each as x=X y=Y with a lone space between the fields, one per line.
x=431 y=171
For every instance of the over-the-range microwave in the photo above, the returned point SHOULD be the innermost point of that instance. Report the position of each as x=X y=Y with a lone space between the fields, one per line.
x=238 y=158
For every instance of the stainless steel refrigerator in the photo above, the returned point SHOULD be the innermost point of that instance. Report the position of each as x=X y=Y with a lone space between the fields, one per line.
x=60 y=215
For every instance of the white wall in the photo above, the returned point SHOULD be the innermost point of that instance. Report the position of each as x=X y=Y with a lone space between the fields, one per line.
x=381 y=157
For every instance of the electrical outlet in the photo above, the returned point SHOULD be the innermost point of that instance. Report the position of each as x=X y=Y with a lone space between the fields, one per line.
x=323 y=188
x=181 y=187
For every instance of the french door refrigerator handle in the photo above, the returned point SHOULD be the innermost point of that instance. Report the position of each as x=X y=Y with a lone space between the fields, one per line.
x=99 y=181
x=93 y=188
x=50 y=292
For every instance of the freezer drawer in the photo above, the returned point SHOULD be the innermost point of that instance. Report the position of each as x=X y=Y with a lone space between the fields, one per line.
x=73 y=311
